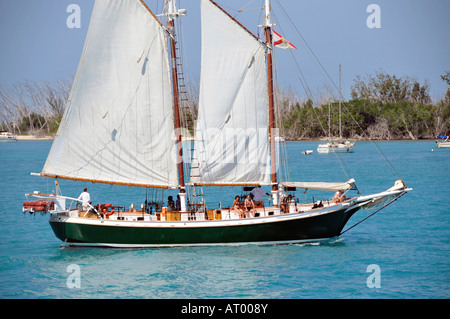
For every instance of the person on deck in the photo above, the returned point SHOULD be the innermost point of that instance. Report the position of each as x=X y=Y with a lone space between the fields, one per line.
x=258 y=192
x=178 y=203
x=236 y=206
x=170 y=203
x=85 y=198
x=282 y=200
x=339 y=197
x=249 y=206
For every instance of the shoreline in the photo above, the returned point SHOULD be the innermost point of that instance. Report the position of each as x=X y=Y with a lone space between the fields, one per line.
x=34 y=138
x=50 y=138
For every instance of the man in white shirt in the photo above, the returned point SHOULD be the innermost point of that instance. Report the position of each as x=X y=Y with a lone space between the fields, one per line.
x=85 y=198
x=258 y=192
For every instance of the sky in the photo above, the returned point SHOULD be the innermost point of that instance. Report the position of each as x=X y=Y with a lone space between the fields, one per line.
x=409 y=38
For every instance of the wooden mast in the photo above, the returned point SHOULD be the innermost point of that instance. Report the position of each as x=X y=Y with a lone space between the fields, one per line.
x=268 y=33
x=172 y=13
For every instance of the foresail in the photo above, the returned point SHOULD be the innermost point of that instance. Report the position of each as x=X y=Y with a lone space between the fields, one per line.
x=231 y=139
x=118 y=125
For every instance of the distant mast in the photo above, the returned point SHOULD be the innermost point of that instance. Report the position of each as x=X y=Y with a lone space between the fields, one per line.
x=340 y=94
x=172 y=13
x=268 y=32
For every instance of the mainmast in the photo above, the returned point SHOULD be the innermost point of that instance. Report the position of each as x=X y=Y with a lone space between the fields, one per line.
x=172 y=13
x=268 y=32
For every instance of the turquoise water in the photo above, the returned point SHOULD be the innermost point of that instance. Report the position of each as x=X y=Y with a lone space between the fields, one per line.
x=408 y=241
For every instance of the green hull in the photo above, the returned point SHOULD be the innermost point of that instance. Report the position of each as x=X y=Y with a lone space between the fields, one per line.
x=295 y=228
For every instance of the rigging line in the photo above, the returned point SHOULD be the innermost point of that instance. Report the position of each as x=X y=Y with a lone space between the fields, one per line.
x=308 y=91
x=377 y=148
x=334 y=84
x=311 y=53
x=309 y=50
x=341 y=163
x=283 y=156
x=384 y=206
x=246 y=5
x=258 y=29
x=300 y=75
x=301 y=78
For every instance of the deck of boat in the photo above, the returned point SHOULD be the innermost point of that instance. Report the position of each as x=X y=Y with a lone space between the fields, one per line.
x=226 y=213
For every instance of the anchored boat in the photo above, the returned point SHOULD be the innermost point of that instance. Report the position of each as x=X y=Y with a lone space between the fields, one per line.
x=444 y=142
x=7 y=137
x=122 y=127
x=336 y=146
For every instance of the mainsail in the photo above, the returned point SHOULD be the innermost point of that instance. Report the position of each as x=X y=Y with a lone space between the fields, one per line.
x=118 y=126
x=231 y=139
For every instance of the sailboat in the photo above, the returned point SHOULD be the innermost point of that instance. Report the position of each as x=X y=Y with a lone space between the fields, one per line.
x=122 y=127
x=337 y=146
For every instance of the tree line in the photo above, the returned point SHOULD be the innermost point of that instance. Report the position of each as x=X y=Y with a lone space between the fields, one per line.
x=33 y=108
x=382 y=107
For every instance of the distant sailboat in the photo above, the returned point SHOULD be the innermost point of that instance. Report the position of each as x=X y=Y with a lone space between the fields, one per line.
x=336 y=146
x=119 y=129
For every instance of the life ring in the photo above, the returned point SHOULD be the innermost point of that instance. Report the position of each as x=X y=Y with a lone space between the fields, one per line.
x=104 y=209
x=109 y=213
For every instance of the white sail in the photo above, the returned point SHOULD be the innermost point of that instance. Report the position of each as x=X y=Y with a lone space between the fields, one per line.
x=232 y=128
x=118 y=125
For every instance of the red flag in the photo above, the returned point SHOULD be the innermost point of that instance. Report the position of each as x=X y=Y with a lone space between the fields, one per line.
x=281 y=42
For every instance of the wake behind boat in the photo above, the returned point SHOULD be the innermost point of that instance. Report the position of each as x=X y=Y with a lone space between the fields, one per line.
x=129 y=87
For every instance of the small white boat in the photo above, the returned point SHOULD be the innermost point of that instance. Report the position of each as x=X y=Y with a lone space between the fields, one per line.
x=445 y=143
x=307 y=152
x=7 y=137
x=336 y=147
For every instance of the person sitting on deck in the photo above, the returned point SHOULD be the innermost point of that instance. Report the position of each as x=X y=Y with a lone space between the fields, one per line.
x=249 y=206
x=237 y=206
x=282 y=199
x=178 y=203
x=339 y=197
x=170 y=203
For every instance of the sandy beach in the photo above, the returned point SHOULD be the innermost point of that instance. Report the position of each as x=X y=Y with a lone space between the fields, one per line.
x=33 y=138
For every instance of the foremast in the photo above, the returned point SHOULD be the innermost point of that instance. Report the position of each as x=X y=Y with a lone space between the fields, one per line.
x=172 y=14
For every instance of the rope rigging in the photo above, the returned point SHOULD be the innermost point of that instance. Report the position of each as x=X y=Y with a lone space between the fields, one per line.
x=328 y=77
x=384 y=206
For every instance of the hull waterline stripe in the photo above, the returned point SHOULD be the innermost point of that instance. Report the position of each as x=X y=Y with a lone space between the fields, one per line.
x=112 y=245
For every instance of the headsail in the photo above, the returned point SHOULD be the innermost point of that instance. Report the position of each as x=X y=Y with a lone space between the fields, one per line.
x=118 y=126
x=232 y=127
